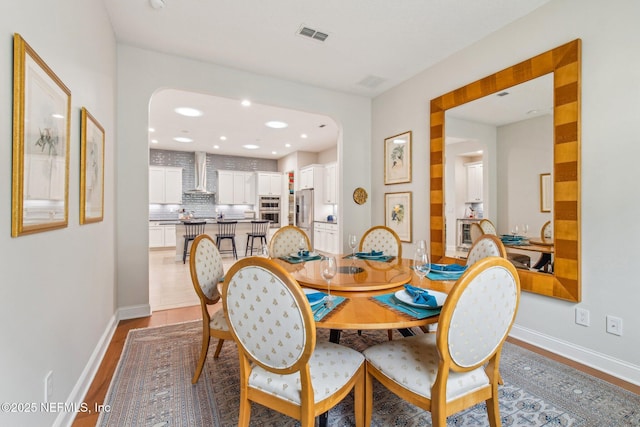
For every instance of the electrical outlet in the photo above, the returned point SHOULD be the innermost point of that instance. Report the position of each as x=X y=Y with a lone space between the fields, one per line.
x=614 y=325
x=48 y=386
x=582 y=316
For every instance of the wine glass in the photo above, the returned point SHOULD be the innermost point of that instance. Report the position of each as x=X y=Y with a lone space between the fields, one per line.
x=421 y=264
x=525 y=229
x=514 y=230
x=353 y=242
x=302 y=245
x=264 y=252
x=328 y=269
x=422 y=246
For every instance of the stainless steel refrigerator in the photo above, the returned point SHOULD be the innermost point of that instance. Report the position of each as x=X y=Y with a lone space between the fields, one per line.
x=304 y=212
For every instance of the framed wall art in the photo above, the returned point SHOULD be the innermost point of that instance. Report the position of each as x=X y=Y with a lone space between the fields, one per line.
x=41 y=118
x=397 y=214
x=545 y=192
x=397 y=158
x=91 y=169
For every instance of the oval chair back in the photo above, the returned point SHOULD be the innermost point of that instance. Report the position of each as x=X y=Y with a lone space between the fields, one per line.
x=381 y=238
x=487 y=245
x=488 y=227
x=286 y=240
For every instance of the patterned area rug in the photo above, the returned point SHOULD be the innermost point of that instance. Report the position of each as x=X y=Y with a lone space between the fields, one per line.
x=152 y=387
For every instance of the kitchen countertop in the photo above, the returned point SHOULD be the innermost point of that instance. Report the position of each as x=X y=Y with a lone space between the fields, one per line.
x=328 y=222
x=207 y=220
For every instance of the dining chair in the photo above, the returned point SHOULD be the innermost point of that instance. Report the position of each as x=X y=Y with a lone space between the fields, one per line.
x=381 y=238
x=282 y=365
x=205 y=264
x=458 y=366
x=227 y=231
x=191 y=230
x=475 y=231
x=259 y=231
x=521 y=260
x=487 y=245
x=286 y=240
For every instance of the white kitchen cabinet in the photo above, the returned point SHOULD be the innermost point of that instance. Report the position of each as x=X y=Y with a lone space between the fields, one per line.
x=325 y=237
x=330 y=183
x=269 y=184
x=162 y=236
x=165 y=184
x=474 y=182
x=312 y=177
x=236 y=188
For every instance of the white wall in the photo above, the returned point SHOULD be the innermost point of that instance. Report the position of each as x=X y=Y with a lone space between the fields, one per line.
x=57 y=295
x=140 y=73
x=610 y=149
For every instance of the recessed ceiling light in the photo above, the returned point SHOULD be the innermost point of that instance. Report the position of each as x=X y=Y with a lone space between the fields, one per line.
x=188 y=112
x=246 y=103
x=274 y=152
x=182 y=139
x=399 y=141
x=223 y=138
x=274 y=124
x=152 y=130
x=154 y=141
x=251 y=146
x=287 y=145
x=216 y=147
x=304 y=135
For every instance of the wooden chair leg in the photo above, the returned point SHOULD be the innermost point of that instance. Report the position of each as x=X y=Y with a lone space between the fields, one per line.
x=368 y=398
x=206 y=338
x=390 y=334
x=218 y=348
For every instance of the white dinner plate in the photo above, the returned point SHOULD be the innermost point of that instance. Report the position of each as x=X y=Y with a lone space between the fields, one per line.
x=408 y=299
x=313 y=291
x=295 y=255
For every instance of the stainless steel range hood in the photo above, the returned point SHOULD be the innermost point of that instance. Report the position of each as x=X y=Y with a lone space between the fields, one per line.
x=200 y=174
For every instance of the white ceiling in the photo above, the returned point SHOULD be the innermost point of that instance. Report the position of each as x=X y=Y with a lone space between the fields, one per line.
x=368 y=41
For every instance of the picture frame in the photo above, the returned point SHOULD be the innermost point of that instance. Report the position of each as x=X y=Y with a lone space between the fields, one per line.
x=397 y=158
x=41 y=123
x=91 y=168
x=546 y=195
x=398 y=214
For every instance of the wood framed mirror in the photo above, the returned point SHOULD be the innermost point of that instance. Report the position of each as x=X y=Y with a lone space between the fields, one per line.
x=565 y=64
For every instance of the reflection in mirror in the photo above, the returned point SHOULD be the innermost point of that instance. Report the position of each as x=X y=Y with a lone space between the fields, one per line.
x=563 y=63
x=496 y=148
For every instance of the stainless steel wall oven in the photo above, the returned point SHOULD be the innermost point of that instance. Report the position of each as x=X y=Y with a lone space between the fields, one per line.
x=269 y=210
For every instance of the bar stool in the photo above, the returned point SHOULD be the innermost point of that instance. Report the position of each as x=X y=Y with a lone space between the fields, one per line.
x=258 y=231
x=227 y=230
x=191 y=230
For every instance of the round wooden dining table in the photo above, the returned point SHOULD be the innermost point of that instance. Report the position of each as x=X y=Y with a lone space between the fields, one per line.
x=359 y=281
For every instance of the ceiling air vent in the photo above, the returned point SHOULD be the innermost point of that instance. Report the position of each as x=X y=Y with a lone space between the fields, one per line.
x=372 y=82
x=311 y=33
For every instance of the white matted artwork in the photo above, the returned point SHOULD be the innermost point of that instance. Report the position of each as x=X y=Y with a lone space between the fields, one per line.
x=91 y=169
x=397 y=158
x=397 y=214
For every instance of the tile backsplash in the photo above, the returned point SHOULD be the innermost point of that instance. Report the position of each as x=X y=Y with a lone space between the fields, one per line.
x=203 y=205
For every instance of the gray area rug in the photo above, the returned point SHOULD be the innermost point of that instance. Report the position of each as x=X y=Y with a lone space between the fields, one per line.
x=152 y=387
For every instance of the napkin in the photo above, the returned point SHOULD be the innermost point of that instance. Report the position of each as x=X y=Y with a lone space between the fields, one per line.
x=303 y=254
x=448 y=267
x=421 y=296
x=372 y=253
x=315 y=296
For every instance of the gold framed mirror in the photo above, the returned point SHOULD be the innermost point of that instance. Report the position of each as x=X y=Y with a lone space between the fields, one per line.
x=565 y=64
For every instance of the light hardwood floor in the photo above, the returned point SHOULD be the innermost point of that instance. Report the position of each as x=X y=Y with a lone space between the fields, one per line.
x=170 y=280
x=165 y=271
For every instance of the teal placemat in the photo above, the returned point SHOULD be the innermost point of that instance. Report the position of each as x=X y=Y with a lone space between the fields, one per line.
x=297 y=260
x=419 y=313
x=319 y=313
x=382 y=258
x=434 y=275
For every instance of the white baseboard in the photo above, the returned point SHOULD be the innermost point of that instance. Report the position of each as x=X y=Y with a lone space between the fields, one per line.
x=601 y=362
x=134 y=311
x=77 y=395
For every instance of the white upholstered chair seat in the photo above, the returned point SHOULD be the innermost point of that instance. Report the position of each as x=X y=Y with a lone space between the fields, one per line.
x=413 y=363
x=331 y=366
x=218 y=321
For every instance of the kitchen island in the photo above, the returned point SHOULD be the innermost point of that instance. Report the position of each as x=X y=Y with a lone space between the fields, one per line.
x=242 y=228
